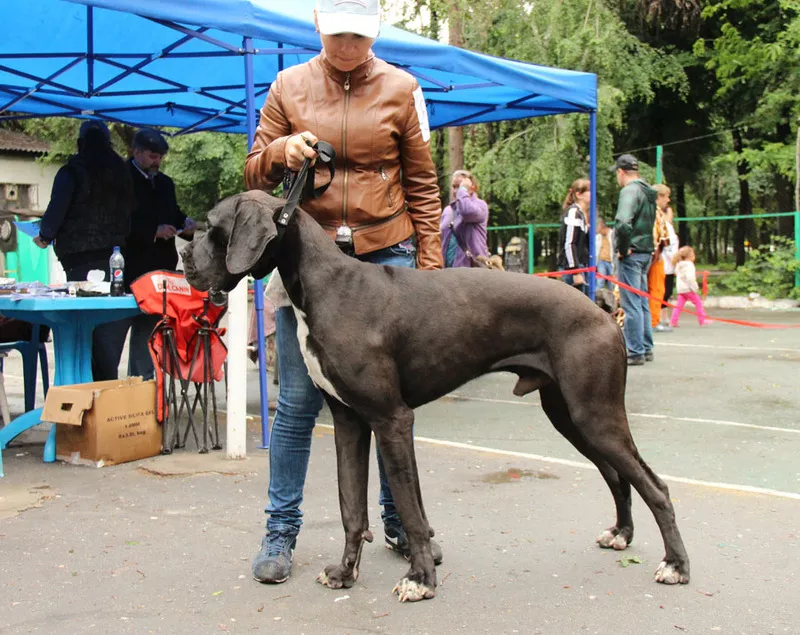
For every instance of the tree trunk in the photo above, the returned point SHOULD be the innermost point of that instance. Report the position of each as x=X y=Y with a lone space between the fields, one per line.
x=680 y=212
x=745 y=201
x=455 y=136
x=783 y=199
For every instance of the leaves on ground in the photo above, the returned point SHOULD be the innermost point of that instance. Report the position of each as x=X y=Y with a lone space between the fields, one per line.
x=625 y=561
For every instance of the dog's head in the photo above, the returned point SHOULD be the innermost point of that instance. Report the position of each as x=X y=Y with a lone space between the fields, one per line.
x=240 y=240
x=604 y=298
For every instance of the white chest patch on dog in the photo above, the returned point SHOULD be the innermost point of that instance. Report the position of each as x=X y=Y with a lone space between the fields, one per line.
x=311 y=360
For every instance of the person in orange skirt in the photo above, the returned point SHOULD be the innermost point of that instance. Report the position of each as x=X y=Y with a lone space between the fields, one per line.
x=655 y=275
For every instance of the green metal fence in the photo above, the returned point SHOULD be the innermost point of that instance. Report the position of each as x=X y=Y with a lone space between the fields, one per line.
x=499 y=236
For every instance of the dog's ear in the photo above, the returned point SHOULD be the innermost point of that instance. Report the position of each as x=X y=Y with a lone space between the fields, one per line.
x=251 y=232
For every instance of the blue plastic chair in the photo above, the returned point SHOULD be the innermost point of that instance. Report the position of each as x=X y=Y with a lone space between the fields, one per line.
x=34 y=354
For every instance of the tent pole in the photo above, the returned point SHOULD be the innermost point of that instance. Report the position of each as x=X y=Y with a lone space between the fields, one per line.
x=89 y=51
x=258 y=287
x=593 y=204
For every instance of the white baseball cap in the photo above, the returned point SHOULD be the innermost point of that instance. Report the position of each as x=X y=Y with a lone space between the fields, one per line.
x=362 y=17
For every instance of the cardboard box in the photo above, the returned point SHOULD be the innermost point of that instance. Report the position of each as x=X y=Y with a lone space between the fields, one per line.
x=105 y=422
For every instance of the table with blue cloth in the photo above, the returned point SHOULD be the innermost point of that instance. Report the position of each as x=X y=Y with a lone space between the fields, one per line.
x=72 y=320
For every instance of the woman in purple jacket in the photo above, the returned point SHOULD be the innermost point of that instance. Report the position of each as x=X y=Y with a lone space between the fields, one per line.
x=464 y=222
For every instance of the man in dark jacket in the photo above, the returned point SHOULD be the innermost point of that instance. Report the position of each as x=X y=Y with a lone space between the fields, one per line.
x=636 y=215
x=88 y=215
x=156 y=221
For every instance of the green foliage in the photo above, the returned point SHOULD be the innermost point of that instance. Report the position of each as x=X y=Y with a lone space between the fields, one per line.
x=770 y=271
x=755 y=56
x=206 y=168
x=525 y=167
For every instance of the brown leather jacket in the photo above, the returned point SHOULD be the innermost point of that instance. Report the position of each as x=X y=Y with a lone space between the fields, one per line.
x=385 y=186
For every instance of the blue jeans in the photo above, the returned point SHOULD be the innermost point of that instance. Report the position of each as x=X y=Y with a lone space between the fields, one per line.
x=638 y=330
x=607 y=269
x=299 y=403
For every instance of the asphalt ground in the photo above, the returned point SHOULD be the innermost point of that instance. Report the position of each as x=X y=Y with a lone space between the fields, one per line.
x=164 y=545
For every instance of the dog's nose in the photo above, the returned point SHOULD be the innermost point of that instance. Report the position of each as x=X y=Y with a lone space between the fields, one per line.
x=217 y=297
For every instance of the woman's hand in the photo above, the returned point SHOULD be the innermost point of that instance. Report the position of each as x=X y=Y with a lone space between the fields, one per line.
x=577 y=279
x=298 y=149
x=467 y=184
x=39 y=242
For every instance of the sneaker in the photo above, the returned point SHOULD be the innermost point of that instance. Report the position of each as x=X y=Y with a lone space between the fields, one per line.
x=707 y=323
x=649 y=356
x=396 y=541
x=662 y=328
x=273 y=564
x=635 y=360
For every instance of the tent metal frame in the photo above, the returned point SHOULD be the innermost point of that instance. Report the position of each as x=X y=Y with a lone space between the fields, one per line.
x=49 y=91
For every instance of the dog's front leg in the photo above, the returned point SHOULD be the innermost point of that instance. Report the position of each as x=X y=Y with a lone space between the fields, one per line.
x=396 y=443
x=352 y=458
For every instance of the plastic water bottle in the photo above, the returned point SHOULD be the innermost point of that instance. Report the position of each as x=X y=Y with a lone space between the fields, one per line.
x=116 y=265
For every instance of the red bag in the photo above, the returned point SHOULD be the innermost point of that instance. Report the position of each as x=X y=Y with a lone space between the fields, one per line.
x=184 y=313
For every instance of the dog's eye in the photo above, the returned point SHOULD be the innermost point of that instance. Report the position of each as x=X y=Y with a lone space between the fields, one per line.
x=216 y=237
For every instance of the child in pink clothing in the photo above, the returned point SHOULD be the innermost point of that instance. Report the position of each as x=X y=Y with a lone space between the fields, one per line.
x=686 y=283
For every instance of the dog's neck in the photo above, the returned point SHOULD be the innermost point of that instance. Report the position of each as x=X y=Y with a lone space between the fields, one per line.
x=307 y=257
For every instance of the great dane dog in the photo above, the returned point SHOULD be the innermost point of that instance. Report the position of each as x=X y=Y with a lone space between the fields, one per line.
x=380 y=341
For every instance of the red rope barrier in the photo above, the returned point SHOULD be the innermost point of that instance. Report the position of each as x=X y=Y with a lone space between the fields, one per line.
x=622 y=285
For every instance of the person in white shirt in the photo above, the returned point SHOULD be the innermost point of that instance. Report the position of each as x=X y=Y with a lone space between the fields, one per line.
x=687 y=287
x=667 y=255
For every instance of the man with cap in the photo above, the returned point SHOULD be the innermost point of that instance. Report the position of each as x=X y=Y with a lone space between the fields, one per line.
x=384 y=193
x=636 y=214
x=88 y=215
x=155 y=223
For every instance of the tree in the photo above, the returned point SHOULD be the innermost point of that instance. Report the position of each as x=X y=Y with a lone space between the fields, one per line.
x=206 y=166
x=753 y=53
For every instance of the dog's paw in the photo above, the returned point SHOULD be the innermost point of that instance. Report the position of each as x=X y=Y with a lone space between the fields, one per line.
x=671 y=573
x=335 y=576
x=613 y=539
x=410 y=591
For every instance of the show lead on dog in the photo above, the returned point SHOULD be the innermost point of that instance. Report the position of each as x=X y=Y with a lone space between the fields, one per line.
x=384 y=192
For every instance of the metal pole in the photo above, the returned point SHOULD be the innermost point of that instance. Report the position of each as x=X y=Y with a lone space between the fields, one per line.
x=659 y=162
x=530 y=248
x=796 y=247
x=258 y=286
x=89 y=51
x=593 y=204
x=236 y=424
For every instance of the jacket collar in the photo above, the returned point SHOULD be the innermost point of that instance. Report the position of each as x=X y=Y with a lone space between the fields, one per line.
x=359 y=73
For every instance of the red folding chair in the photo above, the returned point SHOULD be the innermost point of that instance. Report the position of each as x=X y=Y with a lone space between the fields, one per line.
x=186 y=345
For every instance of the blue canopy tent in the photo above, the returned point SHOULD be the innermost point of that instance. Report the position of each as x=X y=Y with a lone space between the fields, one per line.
x=207 y=65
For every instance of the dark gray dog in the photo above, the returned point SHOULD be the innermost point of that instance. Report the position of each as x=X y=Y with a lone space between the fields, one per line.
x=380 y=341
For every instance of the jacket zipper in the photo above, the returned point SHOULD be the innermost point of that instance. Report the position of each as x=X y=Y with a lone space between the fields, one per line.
x=344 y=145
x=385 y=178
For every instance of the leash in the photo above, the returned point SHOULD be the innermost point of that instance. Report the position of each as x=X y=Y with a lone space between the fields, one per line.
x=302 y=187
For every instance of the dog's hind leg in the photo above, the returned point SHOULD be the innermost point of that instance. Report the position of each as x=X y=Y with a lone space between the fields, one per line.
x=352 y=437
x=395 y=440
x=611 y=439
x=621 y=534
